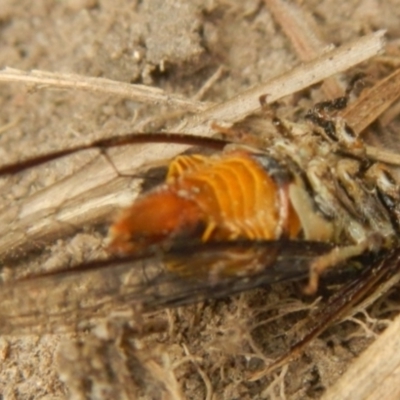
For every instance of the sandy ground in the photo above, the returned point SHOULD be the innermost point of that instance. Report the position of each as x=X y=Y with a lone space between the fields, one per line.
x=177 y=46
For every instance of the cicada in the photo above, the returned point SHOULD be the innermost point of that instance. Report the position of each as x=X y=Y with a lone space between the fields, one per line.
x=304 y=201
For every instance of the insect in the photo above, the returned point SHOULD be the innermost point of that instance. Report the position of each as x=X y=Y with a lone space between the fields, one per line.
x=307 y=212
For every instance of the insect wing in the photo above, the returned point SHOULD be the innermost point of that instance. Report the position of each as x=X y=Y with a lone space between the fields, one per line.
x=75 y=299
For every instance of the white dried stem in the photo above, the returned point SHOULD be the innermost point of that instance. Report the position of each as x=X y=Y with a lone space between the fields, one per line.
x=303 y=76
x=305 y=37
x=139 y=93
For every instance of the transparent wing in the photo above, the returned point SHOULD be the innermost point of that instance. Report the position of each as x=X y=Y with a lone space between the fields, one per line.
x=76 y=298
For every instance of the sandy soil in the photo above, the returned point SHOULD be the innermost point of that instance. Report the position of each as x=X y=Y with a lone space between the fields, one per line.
x=176 y=45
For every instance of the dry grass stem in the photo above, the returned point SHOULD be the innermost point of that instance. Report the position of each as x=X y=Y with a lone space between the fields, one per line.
x=304 y=36
x=372 y=103
x=374 y=375
x=303 y=76
x=139 y=93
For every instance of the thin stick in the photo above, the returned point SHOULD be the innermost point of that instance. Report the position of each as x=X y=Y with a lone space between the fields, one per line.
x=231 y=111
x=387 y=157
x=139 y=93
x=304 y=36
x=303 y=76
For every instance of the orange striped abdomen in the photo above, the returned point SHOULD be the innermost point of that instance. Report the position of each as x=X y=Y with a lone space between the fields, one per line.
x=223 y=197
x=240 y=199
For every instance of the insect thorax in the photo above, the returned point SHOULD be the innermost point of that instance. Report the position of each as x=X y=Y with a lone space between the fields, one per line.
x=338 y=194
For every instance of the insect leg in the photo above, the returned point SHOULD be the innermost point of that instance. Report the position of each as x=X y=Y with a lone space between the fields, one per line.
x=337 y=256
